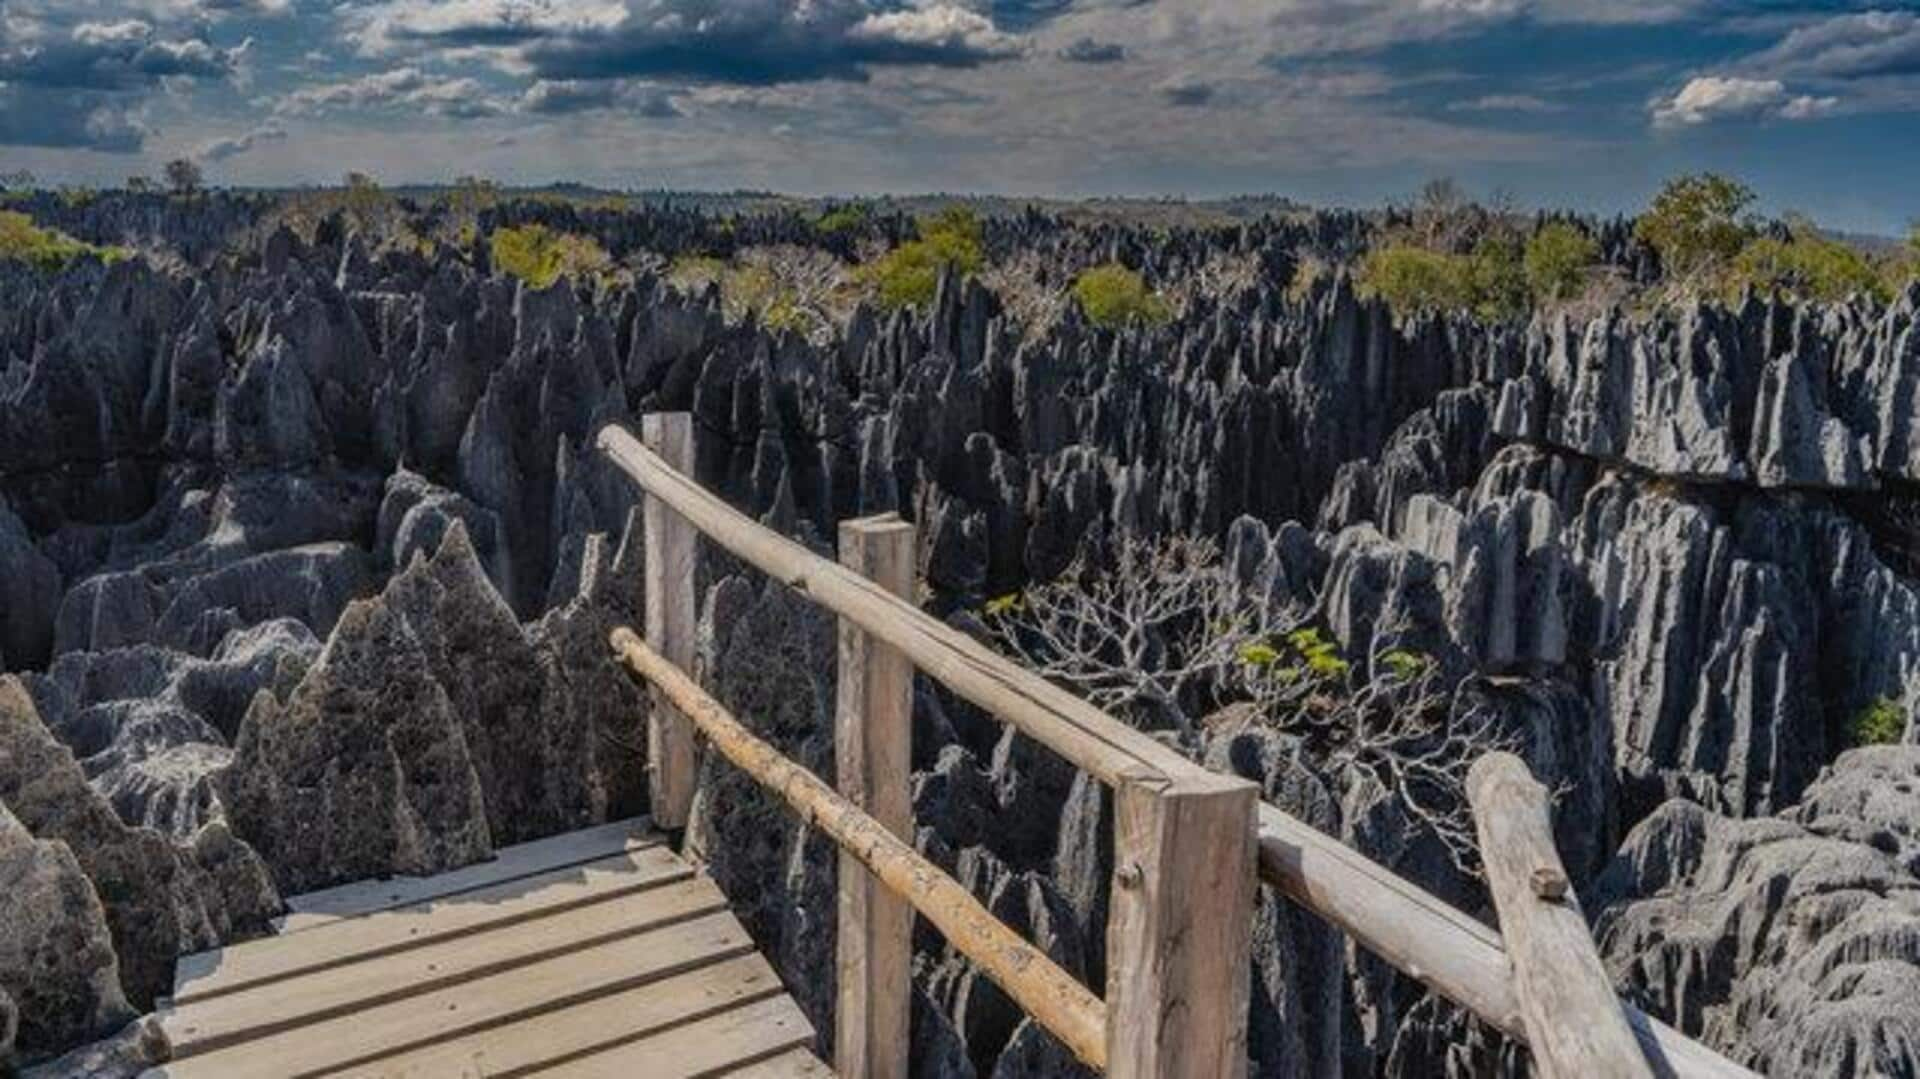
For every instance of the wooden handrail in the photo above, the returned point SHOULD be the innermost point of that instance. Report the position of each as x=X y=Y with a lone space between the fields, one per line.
x=1052 y=996
x=1084 y=735
x=1450 y=952
x=1573 y=1017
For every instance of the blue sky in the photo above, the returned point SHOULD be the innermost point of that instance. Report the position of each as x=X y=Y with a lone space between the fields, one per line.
x=1583 y=103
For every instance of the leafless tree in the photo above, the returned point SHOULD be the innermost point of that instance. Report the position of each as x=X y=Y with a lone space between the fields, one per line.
x=1163 y=619
x=1222 y=276
x=184 y=175
x=1162 y=626
x=1021 y=283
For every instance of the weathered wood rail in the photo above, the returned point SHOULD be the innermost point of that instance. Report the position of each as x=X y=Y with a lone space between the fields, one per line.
x=1188 y=842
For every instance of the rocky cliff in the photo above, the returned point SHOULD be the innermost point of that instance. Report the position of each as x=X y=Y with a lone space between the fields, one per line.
x=311 y=531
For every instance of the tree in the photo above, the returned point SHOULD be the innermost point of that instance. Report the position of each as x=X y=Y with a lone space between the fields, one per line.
x=1438 y=210
x=1696 y=223
x=184 y=175
x=908 y=275
x=1114 y=296
x=1162 y=631
x=1497 y=277
x=141 y=185
x=1807 y=265
x=539 y=256
x=45 y=249
x=1416 y=279
x=1558 y=258
x=18 y=180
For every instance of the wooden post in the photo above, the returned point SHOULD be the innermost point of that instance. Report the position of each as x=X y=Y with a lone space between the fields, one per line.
x=672 y=615
x=1037 y=984
x=873 y=731
x=1575 y=1024
x=1178 y=949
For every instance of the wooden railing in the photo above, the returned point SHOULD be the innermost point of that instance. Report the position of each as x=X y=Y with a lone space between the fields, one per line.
x=1188 y=842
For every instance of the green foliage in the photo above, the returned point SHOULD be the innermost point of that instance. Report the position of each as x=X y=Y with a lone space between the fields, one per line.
x=1320 y=656
x=1114 y=296
x=23 y=241
x=1881 y=723
x=1405 y=665
x=1696 y=222
x=1002 y=606
x=539 y=256
x=1808 y=266
x=1557 y=260
x=1259 y=654
x=744 y=287
x=1497 y=277
x=908 y=275
x=843 y=218
x=1413 y=278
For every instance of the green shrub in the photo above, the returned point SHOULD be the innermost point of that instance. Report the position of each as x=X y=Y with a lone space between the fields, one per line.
x=1114 y=296
x=843 y=218
x=1415 y=279
x=1881 y=723
x=1695 y=223
x=1557 y=261
x=1808 y=266
x=23 y=241
x=1497 y=277
x=908 y=275
x=540 y=256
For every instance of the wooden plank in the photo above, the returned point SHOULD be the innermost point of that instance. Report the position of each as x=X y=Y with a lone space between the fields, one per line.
x=243 y=966
x=873 y=732
x=210 y=1024
x=672 y=616
x=542 y=1012
x=1055 y=1000
x=1179 y=928
x=1408 y=927
x=508 y=863
x=713 y=1046
x=1575 y=1027
x=792 y=1064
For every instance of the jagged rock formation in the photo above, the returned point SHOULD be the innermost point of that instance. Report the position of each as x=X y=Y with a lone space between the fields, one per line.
x=1788 y=940
x=369 y=744
x=59 y=977
x=317 y=524
x=162 y=897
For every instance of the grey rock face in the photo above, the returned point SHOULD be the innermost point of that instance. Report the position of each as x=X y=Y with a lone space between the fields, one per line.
x=33 y=594
x=162 y=898
x=59 y=977
x=364 y=771
x=130 y=1051
x=1792 y=943
x=150 y=727
x=533 y=758
x=769 y=656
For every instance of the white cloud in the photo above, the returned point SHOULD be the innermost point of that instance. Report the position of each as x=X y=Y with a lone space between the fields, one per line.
x=396 y=25
x=942 y=26
x=1506 y=103
x=406 y=87
x=234 y=145
x=1708 y=98
x=125 y=32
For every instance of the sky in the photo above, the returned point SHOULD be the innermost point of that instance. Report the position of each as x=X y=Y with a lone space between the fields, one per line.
x=1586 y=104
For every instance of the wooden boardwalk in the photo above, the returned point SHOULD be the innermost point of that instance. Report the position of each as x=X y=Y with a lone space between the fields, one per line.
x=596 y=953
